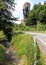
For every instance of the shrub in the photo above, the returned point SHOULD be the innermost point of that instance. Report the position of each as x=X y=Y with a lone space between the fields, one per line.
x=2 y=49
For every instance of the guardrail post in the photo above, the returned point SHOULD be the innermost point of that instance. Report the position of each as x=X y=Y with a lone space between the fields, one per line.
x=34 y=50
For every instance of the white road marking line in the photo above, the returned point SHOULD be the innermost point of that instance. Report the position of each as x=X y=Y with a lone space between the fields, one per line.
x=42 y=41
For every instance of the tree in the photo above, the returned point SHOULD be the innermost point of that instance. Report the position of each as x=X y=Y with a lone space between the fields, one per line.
x=37 y=13
x=6 y=18
x=42 y=16
x=32 y=17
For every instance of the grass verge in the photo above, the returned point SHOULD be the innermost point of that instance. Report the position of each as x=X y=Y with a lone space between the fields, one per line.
x=24 y=45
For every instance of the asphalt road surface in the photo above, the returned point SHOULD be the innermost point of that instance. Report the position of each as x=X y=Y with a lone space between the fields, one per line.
x=40 y=38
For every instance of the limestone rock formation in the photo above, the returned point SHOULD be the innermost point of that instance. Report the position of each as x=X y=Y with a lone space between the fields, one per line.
x=26 y=9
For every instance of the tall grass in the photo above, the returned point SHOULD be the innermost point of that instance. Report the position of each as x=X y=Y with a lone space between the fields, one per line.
x=38 y=27
x=24 y=46
x=2 y=36
x=2 y=50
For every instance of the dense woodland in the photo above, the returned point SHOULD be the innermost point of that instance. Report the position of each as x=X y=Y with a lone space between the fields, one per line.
x=37 y=14
x=6 y=18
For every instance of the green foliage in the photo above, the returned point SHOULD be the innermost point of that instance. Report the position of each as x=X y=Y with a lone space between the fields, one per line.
x=2 y=50
x=31 y=20
x=2 y=36
x=38 y=60
x=22 y=27
x=42 y=16
x=40 y=26
x=24 y=46
x=1 y=4
x=37 y=13
x=6 y=17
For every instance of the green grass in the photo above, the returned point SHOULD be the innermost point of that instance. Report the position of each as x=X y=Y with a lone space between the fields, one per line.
x=2 y=36
x=24 y=46
x=21 y=41
x=43 y=58
x=2 y=49
x=39 y=56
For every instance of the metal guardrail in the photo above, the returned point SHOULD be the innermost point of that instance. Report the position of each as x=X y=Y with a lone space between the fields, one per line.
x=34 y=51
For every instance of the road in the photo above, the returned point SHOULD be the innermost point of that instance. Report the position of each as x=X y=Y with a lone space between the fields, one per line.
x=40 y=38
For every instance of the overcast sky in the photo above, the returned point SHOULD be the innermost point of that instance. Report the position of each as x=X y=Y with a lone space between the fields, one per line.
x=19 y=6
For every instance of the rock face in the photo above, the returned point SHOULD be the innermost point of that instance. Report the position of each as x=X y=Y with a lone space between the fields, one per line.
x=26 y=9
x=10 y=55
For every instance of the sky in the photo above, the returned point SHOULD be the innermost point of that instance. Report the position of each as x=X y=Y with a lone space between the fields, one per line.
x=19 y=7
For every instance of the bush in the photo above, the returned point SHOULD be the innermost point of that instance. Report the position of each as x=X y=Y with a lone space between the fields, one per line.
x=2 y=49
x=40 y=27
x=38 y=56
